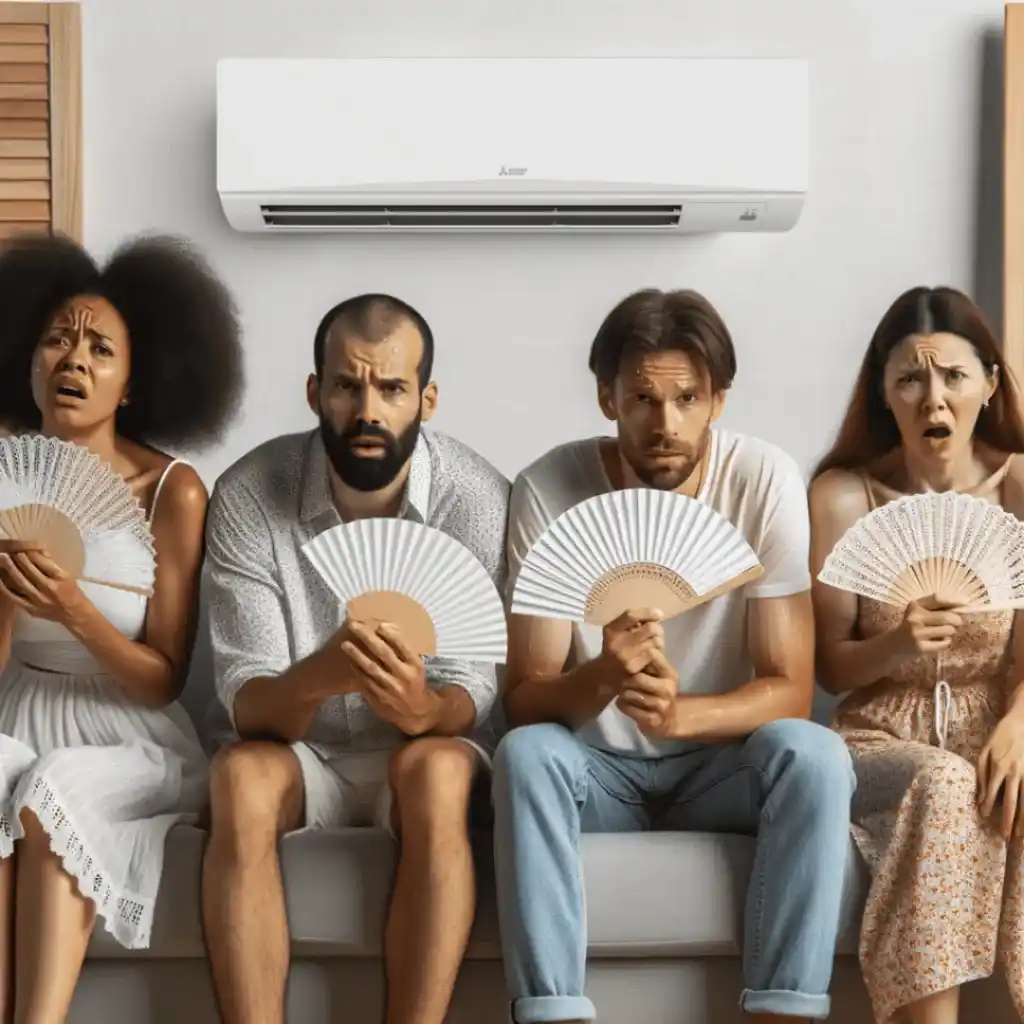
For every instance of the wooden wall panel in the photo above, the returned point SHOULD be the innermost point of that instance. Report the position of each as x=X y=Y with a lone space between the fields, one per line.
x=1013 y=190
x=66 y=118
x=40 y=118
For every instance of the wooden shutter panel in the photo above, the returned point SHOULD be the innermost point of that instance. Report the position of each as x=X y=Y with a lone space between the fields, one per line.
x=40 y=118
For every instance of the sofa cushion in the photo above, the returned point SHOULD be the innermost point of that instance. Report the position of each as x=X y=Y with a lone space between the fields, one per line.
x=647 y=894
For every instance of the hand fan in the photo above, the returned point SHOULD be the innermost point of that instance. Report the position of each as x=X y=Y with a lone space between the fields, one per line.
x=434 y=590
x=85 y=515
x=632 y=549
x=961 y=549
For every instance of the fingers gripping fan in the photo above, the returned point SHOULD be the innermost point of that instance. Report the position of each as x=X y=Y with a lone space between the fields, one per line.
x=73 y=504
x=424 y=582
x=961 y=549
x=632 y=549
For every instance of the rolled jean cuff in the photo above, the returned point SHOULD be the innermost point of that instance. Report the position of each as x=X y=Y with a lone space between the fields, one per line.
x=544 y=1009
x=782 y=1002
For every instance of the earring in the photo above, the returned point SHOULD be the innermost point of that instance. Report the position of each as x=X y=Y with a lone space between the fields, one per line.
x=984 y=404
x=124 y=401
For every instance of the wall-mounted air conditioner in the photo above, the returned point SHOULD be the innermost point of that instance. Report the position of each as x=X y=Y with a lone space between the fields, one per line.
x=511 y=144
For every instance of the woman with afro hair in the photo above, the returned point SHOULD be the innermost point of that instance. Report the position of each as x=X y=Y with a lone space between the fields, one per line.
x=97 y=759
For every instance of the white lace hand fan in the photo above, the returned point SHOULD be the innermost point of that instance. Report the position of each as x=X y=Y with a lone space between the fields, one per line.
x=636 y=548
x=82 y=512
x=961 y=549
x=424 y=582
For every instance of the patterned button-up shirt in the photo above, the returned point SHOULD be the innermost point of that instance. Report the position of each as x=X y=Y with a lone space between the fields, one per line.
x=270 y=608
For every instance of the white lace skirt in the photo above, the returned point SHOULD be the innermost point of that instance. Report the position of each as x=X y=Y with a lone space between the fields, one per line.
x=106 y=779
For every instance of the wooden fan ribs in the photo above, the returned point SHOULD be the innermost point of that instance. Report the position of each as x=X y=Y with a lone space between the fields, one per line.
x=428 y=585
x=71 y=502
x=631 y=549
x=408 y=616
x=964 y=551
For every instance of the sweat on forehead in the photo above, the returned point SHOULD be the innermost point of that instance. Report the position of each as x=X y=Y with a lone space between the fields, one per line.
x=662 y=364
x=401 y=342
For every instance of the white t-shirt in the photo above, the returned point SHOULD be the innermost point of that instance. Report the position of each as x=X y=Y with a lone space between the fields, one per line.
x=754 y=485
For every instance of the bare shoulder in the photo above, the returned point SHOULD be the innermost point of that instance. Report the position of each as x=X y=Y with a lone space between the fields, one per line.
x=838 y=496
x=176 y=497
x=1016 y=470
x=1013 y=487
x=183 y=492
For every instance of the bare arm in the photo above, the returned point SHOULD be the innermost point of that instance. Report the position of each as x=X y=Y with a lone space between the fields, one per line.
x=1013 y=502
x=267 y=693
x=152 y=670
x=844 y=662
x=283 y=706
x=6 y=625
x=464 y=693
x=463 y=696
x=452 y=713
x=781 y=638
x=539 y=689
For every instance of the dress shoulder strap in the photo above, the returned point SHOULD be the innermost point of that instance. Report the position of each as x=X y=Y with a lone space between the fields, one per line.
x=160 y=483
x=875 y=488
x=869 y=489
x=993 y=482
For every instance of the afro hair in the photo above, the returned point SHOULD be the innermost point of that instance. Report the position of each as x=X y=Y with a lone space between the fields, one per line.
x=186 y=357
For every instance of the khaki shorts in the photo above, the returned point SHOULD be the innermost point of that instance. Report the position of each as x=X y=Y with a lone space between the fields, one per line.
x=351 y=789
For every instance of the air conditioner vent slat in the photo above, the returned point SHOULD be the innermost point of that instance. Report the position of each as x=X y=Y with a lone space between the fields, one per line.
x=420 y=215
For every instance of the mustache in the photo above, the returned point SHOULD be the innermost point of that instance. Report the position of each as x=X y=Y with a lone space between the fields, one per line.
x=362 y=429
x=666 y=449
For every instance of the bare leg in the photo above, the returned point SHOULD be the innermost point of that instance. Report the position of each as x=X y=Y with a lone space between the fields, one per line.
x=255 y=795
x=53 y=924
x=434 y=898
x=940 y=1008
x=7 y=870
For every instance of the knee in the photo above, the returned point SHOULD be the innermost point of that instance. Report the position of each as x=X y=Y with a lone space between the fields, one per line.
x=248 y=785
x=433 y=777
x=815 y=757
x=530 y=755
x=943 y=777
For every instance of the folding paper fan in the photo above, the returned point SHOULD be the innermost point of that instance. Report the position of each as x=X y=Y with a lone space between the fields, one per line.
x=85 y=515
x=632 y=549
x=963 y=550
x=431 y=587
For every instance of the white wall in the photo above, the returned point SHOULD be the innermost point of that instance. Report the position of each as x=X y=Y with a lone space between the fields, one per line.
x=896 y=122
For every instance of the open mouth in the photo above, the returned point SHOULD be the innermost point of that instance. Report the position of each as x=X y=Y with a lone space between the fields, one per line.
x=938 y=432
x=70 y=392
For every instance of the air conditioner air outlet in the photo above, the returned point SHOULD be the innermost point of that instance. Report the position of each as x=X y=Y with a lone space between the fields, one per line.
x=420 y=215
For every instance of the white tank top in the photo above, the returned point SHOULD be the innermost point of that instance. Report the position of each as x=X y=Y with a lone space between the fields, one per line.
x=48 y=645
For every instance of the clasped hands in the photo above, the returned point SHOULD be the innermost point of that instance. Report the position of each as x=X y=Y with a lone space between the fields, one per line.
x=387 y=672
x=32 y=581
x=646 y=686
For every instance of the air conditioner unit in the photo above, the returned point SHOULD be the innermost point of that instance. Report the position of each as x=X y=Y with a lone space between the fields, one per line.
x=511 y=144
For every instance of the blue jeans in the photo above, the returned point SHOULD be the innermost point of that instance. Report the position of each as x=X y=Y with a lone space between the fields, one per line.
x=789 y=783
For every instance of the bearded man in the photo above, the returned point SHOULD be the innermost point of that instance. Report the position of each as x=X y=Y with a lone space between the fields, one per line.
x=694 y=724
x=340 y=723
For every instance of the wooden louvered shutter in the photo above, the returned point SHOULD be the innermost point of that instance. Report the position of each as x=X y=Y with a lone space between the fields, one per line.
x=40 y=118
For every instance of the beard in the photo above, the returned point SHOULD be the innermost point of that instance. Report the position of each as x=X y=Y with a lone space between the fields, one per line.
x=669 y=478
x=368 y=473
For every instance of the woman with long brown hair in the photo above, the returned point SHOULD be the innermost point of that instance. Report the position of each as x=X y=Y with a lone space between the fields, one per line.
x=939 y=807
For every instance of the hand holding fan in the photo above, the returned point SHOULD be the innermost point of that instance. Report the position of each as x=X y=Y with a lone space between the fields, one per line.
x=631 y=549
x=963 y=550
x=64 y=498
x=423 y=581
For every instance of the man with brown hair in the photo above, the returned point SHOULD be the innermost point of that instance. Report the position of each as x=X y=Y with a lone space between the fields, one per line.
x=698 y=723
